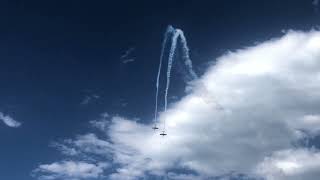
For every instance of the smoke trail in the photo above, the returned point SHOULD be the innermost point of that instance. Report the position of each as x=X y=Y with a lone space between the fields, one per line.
x=176 y=34
x=169 y=30
x=187 y=61
x=186 y=57
x=170 y=62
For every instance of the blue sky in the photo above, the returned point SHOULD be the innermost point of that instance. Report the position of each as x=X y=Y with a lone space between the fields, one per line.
x=79 y=72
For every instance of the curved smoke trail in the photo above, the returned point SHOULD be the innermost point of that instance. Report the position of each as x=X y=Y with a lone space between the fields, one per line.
x=186 y=56
x=176 y=34
x=169 y=30
x=187 y=61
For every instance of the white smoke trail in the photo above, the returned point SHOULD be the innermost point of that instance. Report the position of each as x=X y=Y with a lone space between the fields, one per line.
x=187 y=61
x=176 y=34
x=170 y=62
x=186 y=56
x=169 y=30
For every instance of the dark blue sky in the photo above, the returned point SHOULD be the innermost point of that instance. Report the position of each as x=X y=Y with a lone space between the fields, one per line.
x=55 y=53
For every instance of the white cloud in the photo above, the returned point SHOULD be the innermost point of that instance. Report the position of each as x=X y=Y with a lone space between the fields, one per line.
x=9 y=121
x=102 y=123
x=70 y=170
x=265 y=90
x=175 y=176
x=83 y=144
x=268 y=92
x=291 y=164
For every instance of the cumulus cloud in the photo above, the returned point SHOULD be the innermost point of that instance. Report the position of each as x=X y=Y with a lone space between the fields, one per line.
x=84 y=144
x=270 y=94
x=180 y=176
x=70 y=170
x=9 y=121
x=291 y=164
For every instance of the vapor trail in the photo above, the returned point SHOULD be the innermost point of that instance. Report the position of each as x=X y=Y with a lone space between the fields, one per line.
x=170 y=62
x=169 y=30
x=186 y=57
x=176 y=35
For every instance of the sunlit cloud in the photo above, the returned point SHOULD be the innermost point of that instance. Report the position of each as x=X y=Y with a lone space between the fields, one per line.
x=243 y=116
x=9 y=121
x=71 y=170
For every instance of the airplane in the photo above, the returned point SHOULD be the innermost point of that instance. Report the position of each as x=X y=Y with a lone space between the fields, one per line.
x=163 y=134
x=155 y=127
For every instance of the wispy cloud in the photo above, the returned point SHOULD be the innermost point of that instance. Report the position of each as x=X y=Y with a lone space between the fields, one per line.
x=127 y=53
x=126 y=57
x=102 y=123
x=128 y=60
x=71 y=170
x=89 y=98
x=9 y=121
x=87 y=154
x=269 y=94
x=315 y=4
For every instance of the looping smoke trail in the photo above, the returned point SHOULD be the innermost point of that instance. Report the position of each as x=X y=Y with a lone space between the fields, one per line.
x=177 y=33
x=169 y=30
